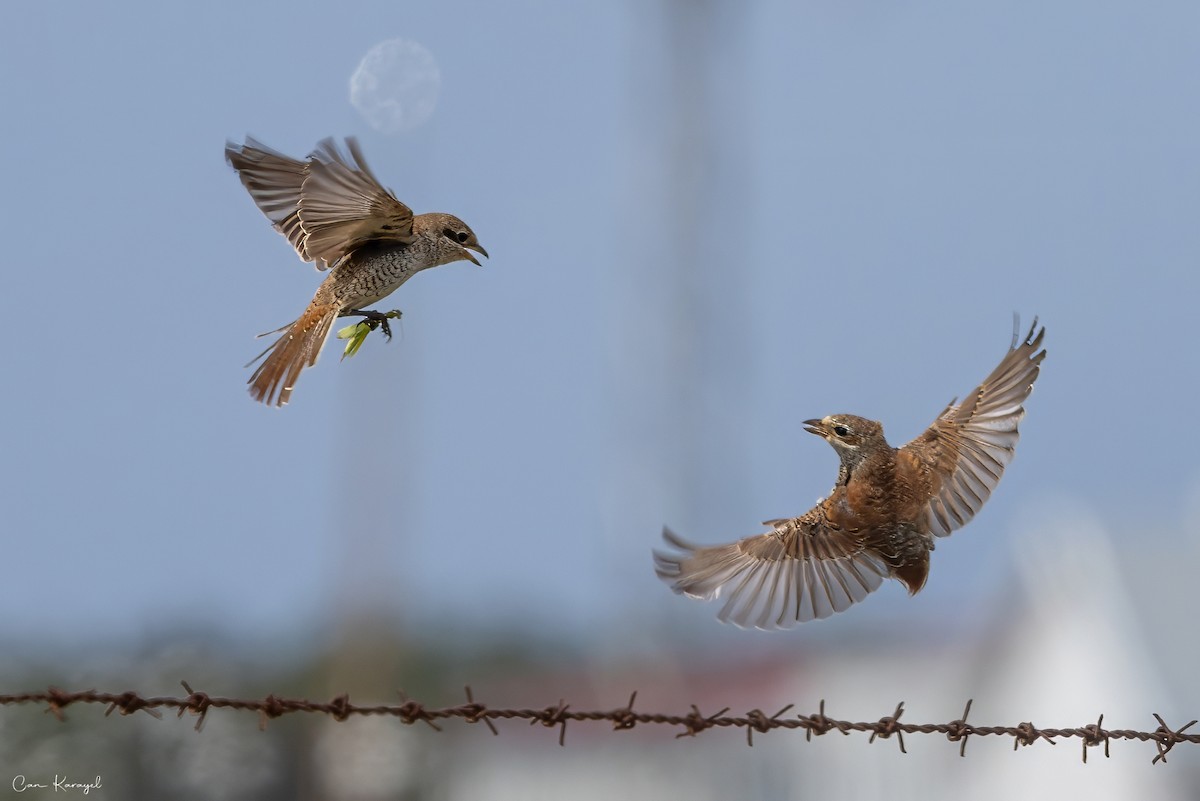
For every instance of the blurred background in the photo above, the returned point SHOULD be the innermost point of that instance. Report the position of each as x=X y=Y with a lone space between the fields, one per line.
x=708 y=222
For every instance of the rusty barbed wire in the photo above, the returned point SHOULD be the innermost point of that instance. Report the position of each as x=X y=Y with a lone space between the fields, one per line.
x=409 y=711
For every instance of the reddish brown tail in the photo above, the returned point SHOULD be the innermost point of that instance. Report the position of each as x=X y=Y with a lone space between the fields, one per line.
x=298 y=348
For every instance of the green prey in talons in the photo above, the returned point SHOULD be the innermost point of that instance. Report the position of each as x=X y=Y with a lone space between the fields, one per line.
x=357 y=333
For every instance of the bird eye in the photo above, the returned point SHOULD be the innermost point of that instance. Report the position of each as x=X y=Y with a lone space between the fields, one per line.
x=462 y=237
x=841 y=431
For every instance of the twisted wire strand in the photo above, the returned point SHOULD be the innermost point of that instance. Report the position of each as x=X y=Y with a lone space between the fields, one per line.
x=410 y=711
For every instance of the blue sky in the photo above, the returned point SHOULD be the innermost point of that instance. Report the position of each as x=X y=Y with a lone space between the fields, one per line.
x=699 y=238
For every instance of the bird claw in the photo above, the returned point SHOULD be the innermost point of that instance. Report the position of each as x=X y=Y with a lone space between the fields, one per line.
x=375 y=319
x=357 y=333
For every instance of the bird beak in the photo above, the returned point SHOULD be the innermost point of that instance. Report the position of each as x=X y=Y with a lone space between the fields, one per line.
x=816 y=427
x=478 y=248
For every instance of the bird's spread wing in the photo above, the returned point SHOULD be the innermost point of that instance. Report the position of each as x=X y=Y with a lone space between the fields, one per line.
x=274 y=181
x=802 y=570
x=965 y=451
x=343 y=206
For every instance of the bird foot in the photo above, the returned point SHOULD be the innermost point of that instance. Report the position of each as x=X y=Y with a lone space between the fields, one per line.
x=375 y=319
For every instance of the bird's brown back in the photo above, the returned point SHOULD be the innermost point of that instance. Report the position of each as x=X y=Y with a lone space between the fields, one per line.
x=882 y=504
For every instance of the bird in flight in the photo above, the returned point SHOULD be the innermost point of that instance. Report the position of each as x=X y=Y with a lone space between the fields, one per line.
x=336 y=214
x=880 y=519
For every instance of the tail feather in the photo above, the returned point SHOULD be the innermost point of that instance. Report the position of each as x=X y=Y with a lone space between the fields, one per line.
x=297 y=348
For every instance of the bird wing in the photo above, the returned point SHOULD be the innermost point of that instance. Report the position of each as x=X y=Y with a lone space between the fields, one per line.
x=804 y=569
x=964 y=453
x=343 y=206
x=274 y=181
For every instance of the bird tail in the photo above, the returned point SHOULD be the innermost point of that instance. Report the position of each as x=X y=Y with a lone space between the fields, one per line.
x=296 y=349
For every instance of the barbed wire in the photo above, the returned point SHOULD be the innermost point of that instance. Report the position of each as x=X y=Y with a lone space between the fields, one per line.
x=410 y=711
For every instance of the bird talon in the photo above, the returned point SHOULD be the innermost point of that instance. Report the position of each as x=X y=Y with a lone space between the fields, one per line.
x=394 y=314
x=375 y=319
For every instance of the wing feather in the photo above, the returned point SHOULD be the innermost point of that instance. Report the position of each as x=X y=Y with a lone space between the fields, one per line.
x=964 y=452
x=802 y=570
x=274 y=182
x=328 y=205
x=343 y=206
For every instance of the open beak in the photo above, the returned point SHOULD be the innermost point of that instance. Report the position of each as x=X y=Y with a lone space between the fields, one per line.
x=816 y=427
x=478 y=248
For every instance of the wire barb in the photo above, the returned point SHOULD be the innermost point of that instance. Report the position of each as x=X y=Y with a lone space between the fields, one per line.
x=959 y=730
x=889 y=726
x=1166 y=738
x=1093 y=735
x=473 y=712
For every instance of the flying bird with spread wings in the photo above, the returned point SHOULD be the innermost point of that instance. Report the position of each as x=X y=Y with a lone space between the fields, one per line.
x=336 y=214
x=880 y=519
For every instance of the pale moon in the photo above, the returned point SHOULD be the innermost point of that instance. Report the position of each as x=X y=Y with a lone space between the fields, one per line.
x=396 y=85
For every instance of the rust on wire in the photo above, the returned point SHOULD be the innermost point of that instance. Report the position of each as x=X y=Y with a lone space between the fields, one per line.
x=410 y=711
x=197 y=704
x=891 y=725
x=1166 y=738
x=959 y=730
x=473 y=712
x=624 y=718
x=1093 y=735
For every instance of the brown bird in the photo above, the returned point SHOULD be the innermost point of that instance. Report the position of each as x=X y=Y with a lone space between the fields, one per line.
x=879 y=520
x=336 y=214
